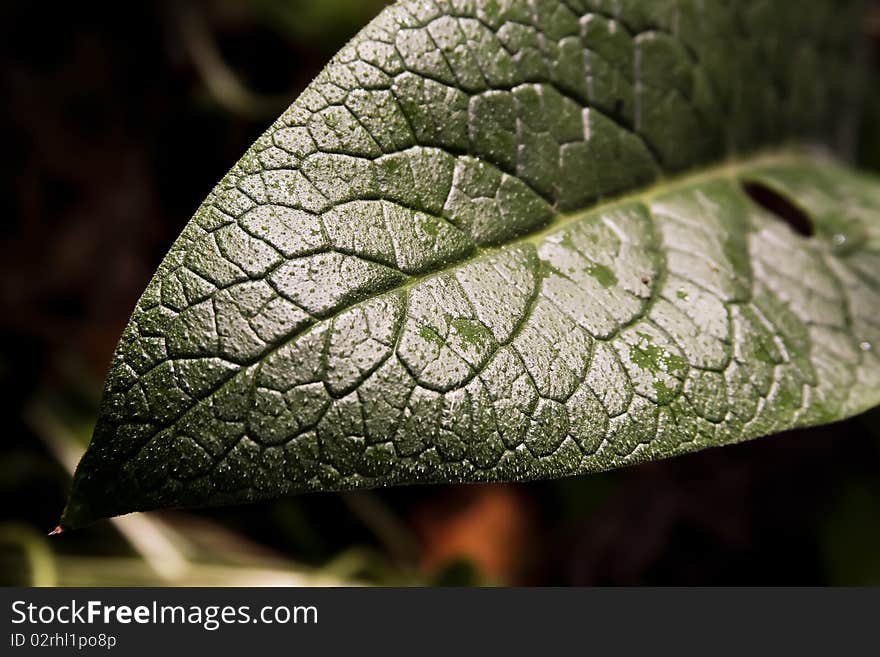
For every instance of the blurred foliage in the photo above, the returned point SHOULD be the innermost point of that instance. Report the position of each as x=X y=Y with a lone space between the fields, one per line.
x=99 y=99
x=25 y=557
x=851 y=535
x=869 y=138
x=869 y=144
x=326 y=24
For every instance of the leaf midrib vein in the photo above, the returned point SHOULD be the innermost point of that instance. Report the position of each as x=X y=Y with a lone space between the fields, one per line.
x=728 y=168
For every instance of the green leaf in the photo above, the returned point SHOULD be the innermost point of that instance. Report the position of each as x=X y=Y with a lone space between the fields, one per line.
x=470 y=251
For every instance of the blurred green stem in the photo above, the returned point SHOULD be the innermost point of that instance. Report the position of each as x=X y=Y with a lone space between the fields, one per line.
x=387 y=527
x=220 y=80
x=38 y=554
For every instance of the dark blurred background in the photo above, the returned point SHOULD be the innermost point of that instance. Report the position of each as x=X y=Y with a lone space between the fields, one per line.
x=117 y=120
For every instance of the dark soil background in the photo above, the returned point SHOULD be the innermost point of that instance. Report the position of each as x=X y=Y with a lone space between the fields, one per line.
x=116 y=122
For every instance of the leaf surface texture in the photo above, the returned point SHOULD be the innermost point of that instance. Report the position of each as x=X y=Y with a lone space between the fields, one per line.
x=504 y=241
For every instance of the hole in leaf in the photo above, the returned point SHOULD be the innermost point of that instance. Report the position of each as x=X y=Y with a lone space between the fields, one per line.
x=780 y=206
